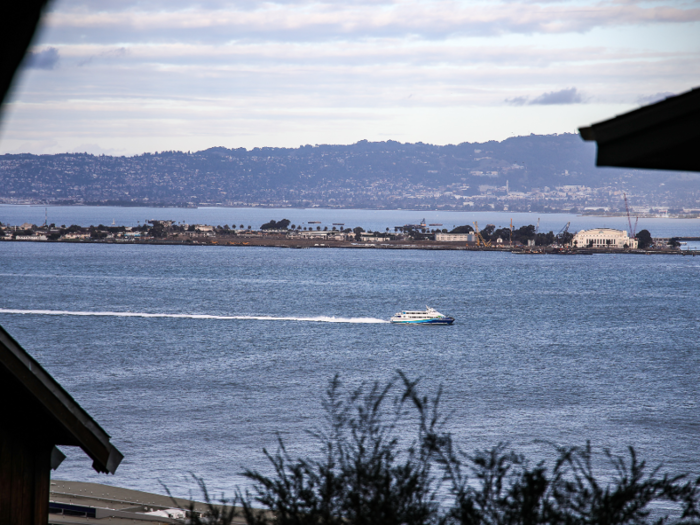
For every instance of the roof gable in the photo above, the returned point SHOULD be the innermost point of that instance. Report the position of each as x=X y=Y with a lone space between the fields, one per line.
x=48 y=410
x=664 y=135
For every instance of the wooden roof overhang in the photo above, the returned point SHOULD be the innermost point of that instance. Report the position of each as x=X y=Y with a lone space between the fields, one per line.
x=663 y=136
x=34 y=403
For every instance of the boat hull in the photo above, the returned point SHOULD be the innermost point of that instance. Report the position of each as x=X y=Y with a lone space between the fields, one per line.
x=440 y=320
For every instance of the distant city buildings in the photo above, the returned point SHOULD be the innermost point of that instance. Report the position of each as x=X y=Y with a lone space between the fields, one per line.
x=518 y=174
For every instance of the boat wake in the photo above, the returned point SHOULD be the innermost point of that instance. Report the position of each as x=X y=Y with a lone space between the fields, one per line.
x=319 y=319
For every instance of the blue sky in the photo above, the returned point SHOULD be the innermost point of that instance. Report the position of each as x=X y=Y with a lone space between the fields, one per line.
x=125 y=77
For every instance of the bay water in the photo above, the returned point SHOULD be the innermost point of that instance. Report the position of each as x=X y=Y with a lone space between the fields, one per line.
x=194 y=358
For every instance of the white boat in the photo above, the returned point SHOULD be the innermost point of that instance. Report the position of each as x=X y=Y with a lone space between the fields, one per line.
x=427 y=316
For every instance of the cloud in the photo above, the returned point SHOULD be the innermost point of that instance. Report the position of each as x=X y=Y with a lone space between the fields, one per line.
x=136 y=74
x=517 y=101
x=563 y=96
x=656 y=97
x=34 y=146
x=96 y=149
x=46 y=59
x=110 y=53
x=305 y=21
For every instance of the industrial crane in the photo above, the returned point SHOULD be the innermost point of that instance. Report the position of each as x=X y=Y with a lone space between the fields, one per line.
x=564 y=230
x=479 y=239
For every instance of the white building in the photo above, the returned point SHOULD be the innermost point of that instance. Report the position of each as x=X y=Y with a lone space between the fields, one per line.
x=377 y=237
x=455 y=237
x=340 y=236
x=31 y=238
x=603 y=238
x=310 y=234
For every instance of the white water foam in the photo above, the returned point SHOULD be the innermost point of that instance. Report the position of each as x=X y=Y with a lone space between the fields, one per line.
x=319 y=319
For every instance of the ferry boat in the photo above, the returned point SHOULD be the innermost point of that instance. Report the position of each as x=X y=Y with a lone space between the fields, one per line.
x=427 y=316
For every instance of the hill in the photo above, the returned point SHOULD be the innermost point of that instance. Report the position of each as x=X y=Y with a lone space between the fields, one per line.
x=530 y=172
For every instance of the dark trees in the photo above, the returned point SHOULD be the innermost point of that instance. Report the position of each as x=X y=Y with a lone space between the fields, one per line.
x=565 y=238
x=487 y=232
x=544 y=239
x=158 y=231
x=463 y=229
x=273 y=225
x=644 y=239
x=523 y=234
x=503 y=233
x=97 y=234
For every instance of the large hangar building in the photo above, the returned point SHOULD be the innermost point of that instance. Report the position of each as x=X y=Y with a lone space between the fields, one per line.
x=603 y=238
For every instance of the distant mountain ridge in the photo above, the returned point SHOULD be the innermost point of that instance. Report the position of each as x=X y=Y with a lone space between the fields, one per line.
x=366 y=174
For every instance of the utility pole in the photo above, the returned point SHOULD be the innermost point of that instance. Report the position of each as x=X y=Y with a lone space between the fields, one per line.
x=511 y=228
x=629 y=219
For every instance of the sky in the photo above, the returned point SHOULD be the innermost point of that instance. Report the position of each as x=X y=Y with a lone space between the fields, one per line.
x=123 y=77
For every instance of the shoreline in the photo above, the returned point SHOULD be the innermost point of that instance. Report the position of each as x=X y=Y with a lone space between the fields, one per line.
x=79 y=502
x=387 y=245
x=551 y=211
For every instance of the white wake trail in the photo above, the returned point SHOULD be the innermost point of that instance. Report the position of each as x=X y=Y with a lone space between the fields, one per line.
x=319 y=319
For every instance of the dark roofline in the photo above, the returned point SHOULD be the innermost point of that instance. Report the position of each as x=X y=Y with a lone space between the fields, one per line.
x=664 y=135
x=72 y=418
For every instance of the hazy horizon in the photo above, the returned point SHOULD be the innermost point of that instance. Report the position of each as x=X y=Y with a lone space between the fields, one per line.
x=252 y=148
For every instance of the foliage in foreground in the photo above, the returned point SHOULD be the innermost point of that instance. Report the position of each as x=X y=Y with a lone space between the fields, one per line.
x=371 y=472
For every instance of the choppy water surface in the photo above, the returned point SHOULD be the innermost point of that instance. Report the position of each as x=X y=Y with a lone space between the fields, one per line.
x=192 y=358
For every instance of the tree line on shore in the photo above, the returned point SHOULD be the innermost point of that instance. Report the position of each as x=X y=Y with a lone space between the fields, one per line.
x=160 y=229
x=490 y=233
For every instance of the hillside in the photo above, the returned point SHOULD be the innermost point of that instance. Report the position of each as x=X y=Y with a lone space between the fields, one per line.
x=530 y=172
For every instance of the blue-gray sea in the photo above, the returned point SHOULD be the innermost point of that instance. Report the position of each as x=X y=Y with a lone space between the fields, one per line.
x=244 y=341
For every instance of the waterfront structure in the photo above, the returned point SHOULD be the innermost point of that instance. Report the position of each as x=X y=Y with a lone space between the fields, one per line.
x=603 y=238
x=31 y=238
x=378 y=237
x=76 y=236
x=455 y=237
x=310 y=234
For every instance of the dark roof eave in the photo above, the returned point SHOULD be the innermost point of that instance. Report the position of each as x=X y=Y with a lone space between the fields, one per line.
x=663 y=135
x=46 y=391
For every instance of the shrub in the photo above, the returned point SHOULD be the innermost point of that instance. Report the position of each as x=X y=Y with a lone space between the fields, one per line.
x=371 y=470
